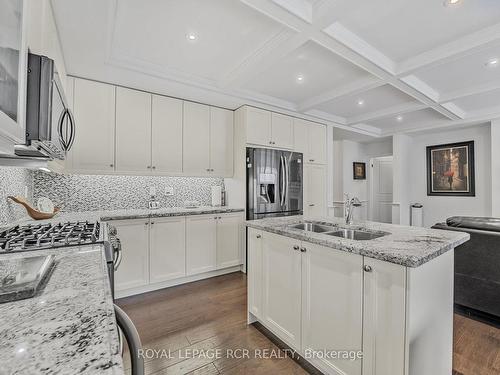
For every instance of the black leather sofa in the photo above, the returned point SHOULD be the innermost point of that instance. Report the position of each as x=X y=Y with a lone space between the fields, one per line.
x=477 y=266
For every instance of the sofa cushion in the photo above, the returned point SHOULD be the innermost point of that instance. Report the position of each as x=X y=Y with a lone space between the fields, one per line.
x=481 y=223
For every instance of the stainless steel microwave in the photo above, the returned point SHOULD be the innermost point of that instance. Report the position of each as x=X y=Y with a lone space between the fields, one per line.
x=50 y=126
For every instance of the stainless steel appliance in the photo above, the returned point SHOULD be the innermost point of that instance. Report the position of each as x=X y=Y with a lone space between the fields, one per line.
x=274 y=183
x=50 y=127
x=54 y=235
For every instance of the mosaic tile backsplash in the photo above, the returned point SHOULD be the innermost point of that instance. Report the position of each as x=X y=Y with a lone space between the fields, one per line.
x=99 y=192
x=12 y=182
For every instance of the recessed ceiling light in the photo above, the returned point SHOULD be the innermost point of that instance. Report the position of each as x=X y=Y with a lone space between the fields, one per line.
x=399 y=118
x=492 y=63
x=451 y=2
x=299 y=78
x=191 y=37
x=361 y=102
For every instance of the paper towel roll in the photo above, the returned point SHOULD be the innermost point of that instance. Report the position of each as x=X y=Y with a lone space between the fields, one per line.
x=417 y=215
x=216 y=196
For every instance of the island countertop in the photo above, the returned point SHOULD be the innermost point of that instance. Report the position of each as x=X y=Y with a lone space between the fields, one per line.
x=404 y=245
x=69 y=326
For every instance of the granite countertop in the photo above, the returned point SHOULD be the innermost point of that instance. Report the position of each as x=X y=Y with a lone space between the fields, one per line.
x=69 y=327
x=404 y=245
x=129 y=214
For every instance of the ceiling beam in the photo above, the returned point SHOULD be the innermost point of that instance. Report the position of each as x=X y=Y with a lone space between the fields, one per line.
x=352 y=88
x=386 y=112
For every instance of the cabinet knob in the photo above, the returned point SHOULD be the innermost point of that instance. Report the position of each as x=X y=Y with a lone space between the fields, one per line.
x=152 y=223
x=311 y=205
x=258 y=236
x=154 y=167
x=148 y=167
x=208 y=169
x=303 y=249
x=311 y=160
x=111 y=165
x=146 y=223
x=368 y=268
x=296 y=247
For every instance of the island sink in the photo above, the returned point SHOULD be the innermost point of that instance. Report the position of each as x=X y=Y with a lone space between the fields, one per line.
x=336 y=231
x=355 y=234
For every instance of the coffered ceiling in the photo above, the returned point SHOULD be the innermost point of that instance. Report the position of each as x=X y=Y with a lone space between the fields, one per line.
x=377 y=67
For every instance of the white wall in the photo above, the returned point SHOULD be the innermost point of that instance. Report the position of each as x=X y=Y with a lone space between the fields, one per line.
x=438 y=208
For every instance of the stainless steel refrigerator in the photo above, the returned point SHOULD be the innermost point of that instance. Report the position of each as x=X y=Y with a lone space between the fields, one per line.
x=274 y=183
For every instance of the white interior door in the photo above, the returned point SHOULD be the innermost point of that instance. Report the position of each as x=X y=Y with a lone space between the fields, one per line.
x=381 y=186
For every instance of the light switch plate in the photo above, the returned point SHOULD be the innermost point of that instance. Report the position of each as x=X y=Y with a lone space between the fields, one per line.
x=169 y=190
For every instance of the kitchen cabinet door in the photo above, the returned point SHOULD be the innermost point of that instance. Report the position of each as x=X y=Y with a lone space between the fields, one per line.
x=254 y=272
x=301 y=137
x=281 y=261
x=258 y=126
x=332 y=305
x=196 y=140
x=166 y=135
x=384 y=318
x=201 y=244
x=167 y=259
x=282 y=131
x=133 y=131
x=221 y=142
x=134 y=268
x=315 y=190
x=317 y=144
x=94 y=112
x=229 y=228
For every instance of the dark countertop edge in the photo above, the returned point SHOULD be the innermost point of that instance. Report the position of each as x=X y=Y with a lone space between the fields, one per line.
x=409 y=261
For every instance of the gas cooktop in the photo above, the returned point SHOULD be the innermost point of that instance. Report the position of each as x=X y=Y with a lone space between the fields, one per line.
x=41 y=236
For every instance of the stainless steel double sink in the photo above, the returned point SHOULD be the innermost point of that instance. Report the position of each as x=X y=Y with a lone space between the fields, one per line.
x=335 y=231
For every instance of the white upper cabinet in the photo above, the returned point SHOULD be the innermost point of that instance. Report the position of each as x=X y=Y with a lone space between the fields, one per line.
x=268 y=129
x=221 y=141
x=166 y=135
x=196 y=142
x=315 y=190
x=258 y=125
x=282 y=131
x=133 y=131
x=310 y=139
x=317 y=144
x=94 y=112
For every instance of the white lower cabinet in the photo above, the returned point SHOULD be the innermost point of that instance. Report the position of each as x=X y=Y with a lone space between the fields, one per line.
x=332 y=306
x=384 y=318
x=167 y=252
x=229 y=233
x=201 y=245
x=281 y=269
x=134 y=267
x=319 y=300
x=254 y=272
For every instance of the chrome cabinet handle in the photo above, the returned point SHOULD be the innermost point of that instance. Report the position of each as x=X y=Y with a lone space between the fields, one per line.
x=311 y=205
x=311 y=160
x=303 y=249
x=368 y=268
x=258 y=236
x=296 y=247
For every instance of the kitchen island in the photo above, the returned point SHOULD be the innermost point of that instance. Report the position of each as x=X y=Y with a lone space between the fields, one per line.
x=378 y=305
x=69 y=326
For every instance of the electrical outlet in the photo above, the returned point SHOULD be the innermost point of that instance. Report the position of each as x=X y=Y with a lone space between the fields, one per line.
x=152 y=190
x=26 y=192
x=169 y=190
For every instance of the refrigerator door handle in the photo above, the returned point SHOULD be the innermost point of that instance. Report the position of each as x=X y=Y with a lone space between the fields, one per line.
x=286 y=181
x=283 y=181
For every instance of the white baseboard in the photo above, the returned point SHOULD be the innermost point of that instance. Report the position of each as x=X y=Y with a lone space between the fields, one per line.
x=180 y=281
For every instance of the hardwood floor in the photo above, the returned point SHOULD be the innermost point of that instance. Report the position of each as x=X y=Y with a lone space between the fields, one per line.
x=210 y=315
